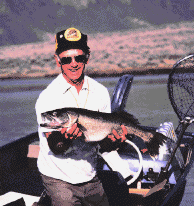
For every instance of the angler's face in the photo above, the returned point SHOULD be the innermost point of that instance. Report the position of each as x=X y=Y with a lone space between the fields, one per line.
x=72 y=65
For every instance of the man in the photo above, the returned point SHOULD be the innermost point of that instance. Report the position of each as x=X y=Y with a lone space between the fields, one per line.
x=69 y=174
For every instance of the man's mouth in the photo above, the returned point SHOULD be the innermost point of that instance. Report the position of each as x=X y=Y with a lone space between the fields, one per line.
x=74 y=70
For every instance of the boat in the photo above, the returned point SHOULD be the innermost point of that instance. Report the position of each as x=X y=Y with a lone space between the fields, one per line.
x=160 y=181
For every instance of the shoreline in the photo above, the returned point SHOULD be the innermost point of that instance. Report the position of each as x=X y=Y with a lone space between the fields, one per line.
x=97 y=74
x=39 y=83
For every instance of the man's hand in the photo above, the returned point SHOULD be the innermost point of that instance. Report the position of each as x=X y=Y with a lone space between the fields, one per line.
x=113 y=140
x=115 y=136
x=60 y=141
x=71 y=133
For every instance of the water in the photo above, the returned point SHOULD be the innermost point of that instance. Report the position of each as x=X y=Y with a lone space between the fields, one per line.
x=148 y=101
x=17 y=107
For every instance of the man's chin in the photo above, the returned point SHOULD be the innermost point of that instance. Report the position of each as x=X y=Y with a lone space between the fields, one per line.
x=77 y=79
x=74 y=77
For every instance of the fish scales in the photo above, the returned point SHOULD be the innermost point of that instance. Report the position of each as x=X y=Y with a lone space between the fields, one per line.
x=98 y=129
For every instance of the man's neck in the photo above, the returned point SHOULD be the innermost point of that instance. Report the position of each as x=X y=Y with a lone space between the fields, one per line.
x=77 y=83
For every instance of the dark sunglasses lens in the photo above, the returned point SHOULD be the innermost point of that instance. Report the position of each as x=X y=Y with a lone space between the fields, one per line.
x=66 y=60
x=80 y=58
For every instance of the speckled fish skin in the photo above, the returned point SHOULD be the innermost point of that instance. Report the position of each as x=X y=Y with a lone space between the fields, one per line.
x=97 y=125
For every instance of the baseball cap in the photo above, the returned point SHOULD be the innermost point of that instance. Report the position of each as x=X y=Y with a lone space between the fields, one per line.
x=71 y=38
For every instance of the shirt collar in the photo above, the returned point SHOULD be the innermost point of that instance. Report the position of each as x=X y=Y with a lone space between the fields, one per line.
x=85 y=85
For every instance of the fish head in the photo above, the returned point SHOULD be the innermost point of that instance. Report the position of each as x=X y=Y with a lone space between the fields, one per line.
x=58 y=119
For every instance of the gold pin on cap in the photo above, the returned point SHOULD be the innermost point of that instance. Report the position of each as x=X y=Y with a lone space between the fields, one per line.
x=72 y=34
x=56 y=43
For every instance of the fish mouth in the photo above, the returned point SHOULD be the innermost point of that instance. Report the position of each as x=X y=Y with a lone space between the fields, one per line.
x=49 y=126
x=54 y=126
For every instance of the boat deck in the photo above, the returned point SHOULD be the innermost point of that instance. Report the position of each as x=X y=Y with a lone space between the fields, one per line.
x=21 y=178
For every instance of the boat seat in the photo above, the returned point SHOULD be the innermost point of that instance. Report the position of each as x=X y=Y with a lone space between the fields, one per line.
x=11 y=197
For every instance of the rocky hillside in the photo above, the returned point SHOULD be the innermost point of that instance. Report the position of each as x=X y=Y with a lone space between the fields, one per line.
x=152 y=50
x=25 y=21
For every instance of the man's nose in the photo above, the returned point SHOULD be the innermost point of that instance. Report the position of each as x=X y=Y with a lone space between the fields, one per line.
x=73 y=62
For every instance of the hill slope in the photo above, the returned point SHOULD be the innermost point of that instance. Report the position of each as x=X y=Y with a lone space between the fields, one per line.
x=112 y=53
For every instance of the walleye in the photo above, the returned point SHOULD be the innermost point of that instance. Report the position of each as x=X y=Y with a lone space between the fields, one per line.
x=97 y=125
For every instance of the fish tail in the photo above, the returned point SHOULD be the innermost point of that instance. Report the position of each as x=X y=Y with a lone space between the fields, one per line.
x=155 y=142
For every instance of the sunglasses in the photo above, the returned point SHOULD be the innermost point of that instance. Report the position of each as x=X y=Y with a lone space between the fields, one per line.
x=78 y=59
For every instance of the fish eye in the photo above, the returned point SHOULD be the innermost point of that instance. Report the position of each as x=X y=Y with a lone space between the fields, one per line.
x=64 y=116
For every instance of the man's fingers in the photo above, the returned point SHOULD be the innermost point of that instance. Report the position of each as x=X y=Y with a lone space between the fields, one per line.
x=79 y=133
x=124 y=130
x=72 y=129
x=76 y=131
x=73 y=132
x=66 y=135
x=112 y=137
x=63 y=130
x=121 y=137
x=47 y=134
x=116 y=134
x=124 y=133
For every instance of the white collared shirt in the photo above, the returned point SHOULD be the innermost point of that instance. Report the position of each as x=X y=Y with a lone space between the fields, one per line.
x=78 y=163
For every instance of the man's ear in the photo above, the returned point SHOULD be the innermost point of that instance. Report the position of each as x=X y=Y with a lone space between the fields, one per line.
x=57 y=60
x=87 y=58
x=87 y=61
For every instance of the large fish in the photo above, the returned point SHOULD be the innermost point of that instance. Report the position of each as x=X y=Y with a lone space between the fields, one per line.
x=97 y=125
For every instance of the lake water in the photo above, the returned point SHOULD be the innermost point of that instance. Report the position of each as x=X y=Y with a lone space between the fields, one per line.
x=148 y=101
